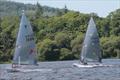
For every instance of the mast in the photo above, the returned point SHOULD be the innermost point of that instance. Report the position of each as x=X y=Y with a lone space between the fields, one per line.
x=25 y=50
x=91 y=51
x=19 y=61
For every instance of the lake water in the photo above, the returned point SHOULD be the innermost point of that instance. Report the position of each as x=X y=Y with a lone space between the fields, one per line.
x=63 y=70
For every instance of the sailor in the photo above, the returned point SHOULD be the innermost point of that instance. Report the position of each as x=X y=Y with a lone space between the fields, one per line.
x=83 y=62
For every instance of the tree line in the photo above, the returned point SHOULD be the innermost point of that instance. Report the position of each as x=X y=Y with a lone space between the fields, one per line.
x=60 y=37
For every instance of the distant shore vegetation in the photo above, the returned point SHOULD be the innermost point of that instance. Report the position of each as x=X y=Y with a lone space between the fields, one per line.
x=59 y=33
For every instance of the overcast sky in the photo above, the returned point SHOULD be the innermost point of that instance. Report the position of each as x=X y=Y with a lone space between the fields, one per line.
x=101 y=7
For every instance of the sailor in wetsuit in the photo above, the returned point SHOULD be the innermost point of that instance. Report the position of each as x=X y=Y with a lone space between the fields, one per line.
x=83 y=61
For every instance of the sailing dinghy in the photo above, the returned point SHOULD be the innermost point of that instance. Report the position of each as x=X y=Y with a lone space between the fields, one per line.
x=91 y=52
x=25 y=51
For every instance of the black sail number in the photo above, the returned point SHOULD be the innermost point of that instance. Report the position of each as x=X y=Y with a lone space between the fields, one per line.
x=29 y=37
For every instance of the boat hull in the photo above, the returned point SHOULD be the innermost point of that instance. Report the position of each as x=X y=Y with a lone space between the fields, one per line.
x=28 y=70
x=90 y=65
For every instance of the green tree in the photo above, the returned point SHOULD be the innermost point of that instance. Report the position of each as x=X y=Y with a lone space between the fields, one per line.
x=65 y=9
x=114 y=18
x=48 y=50
x=110 y=46
x=76 y=45
x=39 y=10
x=62 y=40
x=66 y=54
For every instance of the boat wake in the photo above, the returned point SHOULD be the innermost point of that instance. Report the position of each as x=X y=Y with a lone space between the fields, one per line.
x=90 y=65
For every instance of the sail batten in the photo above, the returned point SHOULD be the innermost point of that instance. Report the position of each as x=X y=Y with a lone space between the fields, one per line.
x=25 y=44
x=91 y=47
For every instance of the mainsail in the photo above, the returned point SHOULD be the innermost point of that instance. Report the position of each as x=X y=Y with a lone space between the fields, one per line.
x=25 y=51
x=91 y=48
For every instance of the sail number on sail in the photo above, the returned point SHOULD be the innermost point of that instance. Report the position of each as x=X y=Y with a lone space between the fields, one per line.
x=29 y=37
x=95 y=40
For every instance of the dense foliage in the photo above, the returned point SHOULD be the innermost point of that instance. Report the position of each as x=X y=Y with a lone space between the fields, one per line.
x=60 y=37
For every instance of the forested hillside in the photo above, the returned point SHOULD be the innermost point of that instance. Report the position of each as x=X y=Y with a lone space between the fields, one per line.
x=60 y=36
x=9 y=8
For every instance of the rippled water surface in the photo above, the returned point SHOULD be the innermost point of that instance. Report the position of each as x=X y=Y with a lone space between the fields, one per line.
x=63 y=70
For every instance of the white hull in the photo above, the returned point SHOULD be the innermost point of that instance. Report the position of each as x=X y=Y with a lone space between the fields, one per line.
x=90 y=65
x=35 y=70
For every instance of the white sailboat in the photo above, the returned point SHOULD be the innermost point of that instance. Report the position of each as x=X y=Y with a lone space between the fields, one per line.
x=91 y=52
x=25 y=51
x=25 y=56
